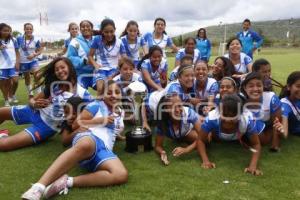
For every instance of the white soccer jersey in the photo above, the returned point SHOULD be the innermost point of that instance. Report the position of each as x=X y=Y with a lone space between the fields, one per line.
x=27 y=47
x=8 y=54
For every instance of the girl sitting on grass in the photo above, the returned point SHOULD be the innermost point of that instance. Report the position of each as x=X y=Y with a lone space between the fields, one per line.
x=45 y=110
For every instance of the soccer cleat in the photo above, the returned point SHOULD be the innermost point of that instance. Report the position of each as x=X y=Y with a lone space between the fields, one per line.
x=15 y=100
x=57 y=187
x=32 y=194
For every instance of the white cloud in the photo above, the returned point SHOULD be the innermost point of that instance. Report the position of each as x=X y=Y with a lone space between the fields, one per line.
x=181 y=16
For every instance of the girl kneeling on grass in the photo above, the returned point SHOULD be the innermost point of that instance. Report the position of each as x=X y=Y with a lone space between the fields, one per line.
x=178 y=123
x=92 y=148
x=45 y=110
x=291 y=104
x=230 y=122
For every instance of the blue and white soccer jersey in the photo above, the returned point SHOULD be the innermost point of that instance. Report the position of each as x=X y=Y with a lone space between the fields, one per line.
x=103 y=136
x=8 y=59
x=46 y=121
x=204 y=46
x=242 y=66
x=211 y=89
x=132 y=50
x=67 y=42
x=269 y=103
x=53 y=115
x=188 y=119
x=247 y=125
x=28 y=47
x=248 y=38
x=176 y=88
x=155 y=75
x=78 y=51
x=166 y=41
x=124 y=84
x=292 y=112
x=196 y=56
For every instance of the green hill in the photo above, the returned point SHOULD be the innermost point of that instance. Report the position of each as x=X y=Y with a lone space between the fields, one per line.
x=274 y=32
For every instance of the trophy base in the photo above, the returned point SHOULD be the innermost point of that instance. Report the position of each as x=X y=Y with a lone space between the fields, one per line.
x=138 y=140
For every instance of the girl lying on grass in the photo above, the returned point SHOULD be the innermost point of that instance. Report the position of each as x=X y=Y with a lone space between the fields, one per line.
x=97 y=127
x=230 y=122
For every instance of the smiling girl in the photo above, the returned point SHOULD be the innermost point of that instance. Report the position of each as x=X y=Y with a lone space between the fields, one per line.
x=45 y=110
x=92 y=147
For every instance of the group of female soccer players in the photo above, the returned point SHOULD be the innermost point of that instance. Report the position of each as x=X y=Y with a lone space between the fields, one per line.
x=230 y=100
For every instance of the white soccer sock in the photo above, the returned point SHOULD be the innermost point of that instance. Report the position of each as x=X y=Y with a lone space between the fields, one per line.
x=38 y=90
x=29 y=88
x=70 y=182
x=39 y=187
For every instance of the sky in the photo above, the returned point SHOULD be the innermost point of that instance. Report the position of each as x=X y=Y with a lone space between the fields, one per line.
x=181 y=15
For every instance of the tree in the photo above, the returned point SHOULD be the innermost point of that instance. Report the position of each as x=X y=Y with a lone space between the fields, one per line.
x=16 y=33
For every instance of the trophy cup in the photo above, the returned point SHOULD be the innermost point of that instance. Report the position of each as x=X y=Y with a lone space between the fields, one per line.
x=138 y=139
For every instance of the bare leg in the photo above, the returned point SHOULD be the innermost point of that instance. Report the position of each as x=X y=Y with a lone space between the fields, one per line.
x=5 y=88
x=35 y=78
x=5 y=114
x=83 y=149
x=15 y=81
x=19 y=140
x=100 y=88
x=110 y=172
x=191 y=137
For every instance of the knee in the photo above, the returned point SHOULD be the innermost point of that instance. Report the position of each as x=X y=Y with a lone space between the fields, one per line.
x=121 y=176
x=84 y=148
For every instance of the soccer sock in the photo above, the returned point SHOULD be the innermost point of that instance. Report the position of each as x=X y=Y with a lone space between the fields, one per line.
x=29 y=88
x=40 y=187
x=38 y=90
x=70 y=182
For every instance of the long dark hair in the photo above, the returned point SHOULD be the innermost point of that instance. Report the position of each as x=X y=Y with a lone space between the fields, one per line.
x=105 y=23
x=130 y=23
x=202 y=29
x=292 y=78
x=147 y=56
x=228 y=69
x=249 y=77
x=160 y=19
x=46 y=75
x=2 y=26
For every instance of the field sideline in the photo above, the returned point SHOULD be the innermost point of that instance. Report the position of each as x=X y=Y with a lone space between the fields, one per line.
x=183 y=178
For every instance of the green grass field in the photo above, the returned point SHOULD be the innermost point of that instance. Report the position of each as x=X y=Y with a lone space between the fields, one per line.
x=183 y=178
